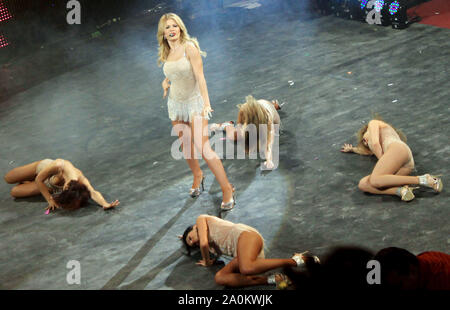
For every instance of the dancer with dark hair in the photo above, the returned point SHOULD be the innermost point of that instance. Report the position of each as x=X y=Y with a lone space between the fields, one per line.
x=395 y=162
x=61 y=184
x=400 y=269
x=246 y=245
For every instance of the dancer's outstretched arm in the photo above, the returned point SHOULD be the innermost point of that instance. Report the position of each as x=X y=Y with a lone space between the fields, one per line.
x=202 y=230
x=268 y=151
x=348 y=148
x=97 y=196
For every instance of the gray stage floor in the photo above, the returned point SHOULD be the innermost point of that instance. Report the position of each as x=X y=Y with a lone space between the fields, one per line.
x=99 y=104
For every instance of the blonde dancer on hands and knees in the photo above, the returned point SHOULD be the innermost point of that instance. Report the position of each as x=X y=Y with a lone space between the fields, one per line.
x=258 y=113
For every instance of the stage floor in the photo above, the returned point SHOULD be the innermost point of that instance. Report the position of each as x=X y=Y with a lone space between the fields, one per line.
x=98 y=103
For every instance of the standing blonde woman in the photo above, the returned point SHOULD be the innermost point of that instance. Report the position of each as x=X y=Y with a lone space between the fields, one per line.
x=188 y=101
x=255 y=112
x=395 y=162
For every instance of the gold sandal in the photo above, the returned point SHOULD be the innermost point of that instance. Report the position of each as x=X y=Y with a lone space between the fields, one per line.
x=406 y=193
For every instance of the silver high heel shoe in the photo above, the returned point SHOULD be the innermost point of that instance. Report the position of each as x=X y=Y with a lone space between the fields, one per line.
x=226 y=206
x=435 y=183
x=195 y=192
x=302 y=258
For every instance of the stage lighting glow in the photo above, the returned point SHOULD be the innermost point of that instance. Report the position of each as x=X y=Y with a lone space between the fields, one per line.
x=3 y=41
x=4 y=14
x=379 y=5
x=393 y=8
x=363 y=3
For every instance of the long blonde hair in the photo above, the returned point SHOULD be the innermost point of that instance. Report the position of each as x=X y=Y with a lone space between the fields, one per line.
x=251 y=112
x=164 y=48
x=360 y=134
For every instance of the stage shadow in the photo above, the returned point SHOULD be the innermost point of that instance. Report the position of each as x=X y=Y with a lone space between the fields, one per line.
x=135 y=261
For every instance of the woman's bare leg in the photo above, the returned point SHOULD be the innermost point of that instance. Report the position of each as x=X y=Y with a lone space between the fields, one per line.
x=25 y=190
x=384 y=175
x=213 y=161
x=230 y=276
x=242 y=270
x=22 y=173
x=189 y=155
x=248 y=248
x=365 y=185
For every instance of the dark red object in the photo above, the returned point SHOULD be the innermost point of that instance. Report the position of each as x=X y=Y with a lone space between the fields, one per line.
x=434 y=270
x=427 y=11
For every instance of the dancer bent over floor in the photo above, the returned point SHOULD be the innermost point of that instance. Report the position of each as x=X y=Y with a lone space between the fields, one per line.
x=61 y=184
x=246 y=245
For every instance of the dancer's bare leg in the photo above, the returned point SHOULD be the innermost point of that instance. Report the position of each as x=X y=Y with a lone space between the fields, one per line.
x=248 y=248
x=384 y=175
x=213 y=161
x=22 y=173
x=242 y=270
x=365 y=186
x=230 y=276
x=25 y=190
x=189 y=154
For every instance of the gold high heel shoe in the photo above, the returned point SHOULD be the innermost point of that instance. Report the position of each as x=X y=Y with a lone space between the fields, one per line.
x=280 y=280
x=406 y=193
x=195 y=192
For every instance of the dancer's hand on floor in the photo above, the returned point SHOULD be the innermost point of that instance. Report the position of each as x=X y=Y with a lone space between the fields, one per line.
x=346 y=148
x=112 y=205
x=52 y=205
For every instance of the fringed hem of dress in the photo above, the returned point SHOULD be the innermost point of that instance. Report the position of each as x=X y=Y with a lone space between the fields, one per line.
x=185 y=111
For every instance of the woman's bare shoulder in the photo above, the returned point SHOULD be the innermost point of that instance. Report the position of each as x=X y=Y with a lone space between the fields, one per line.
x=377 y=122
x=191 y=49
x=206 y=216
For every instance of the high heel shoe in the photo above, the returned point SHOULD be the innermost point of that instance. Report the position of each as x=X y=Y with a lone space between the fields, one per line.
x=304 y=258
x=195 y=192
x=226 y=206
x=406 y=193
x=281 y=281
x=436 y=182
